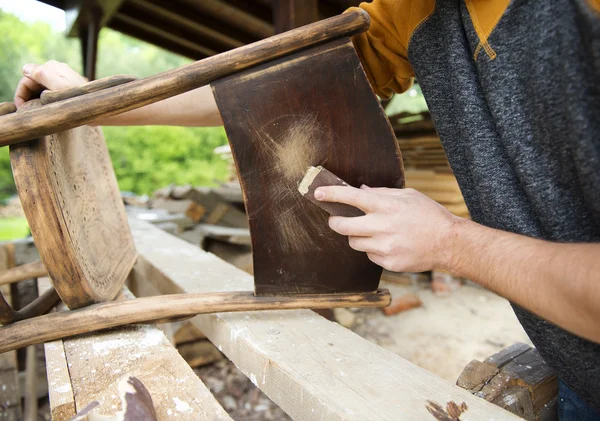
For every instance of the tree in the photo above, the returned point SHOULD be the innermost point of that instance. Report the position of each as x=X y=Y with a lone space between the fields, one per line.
x=144 y=158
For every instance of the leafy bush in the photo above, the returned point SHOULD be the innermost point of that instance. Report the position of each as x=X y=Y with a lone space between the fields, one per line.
x=144 y=158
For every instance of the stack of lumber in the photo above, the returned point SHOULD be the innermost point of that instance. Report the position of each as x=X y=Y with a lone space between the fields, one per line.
x=425 y=162
x=420 y=145
x=516 y=379
x=212 y=218
x=441 y=187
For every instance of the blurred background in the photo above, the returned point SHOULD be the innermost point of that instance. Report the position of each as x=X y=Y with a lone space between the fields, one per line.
x=144 y=158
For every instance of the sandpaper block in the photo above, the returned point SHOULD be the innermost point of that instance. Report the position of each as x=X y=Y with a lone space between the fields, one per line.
x=316 y=177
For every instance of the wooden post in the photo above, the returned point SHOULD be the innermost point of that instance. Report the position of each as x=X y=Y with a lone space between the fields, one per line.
x=290 y=14
x=88 y=35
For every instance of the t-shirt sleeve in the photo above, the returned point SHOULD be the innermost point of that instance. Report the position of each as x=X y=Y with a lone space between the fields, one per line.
x=383 y=49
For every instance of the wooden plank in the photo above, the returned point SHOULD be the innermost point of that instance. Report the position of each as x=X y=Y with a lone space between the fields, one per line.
x=189 y=208
x=506 y=355
x=10 y=393
x=314 y=369
x=97 y=362
x=60 y=390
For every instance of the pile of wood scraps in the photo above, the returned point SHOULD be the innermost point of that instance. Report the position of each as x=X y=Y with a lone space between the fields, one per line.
x=516 y=379
x=425 y=162
x=212 y=218
x=441 y=187
x=419 y=142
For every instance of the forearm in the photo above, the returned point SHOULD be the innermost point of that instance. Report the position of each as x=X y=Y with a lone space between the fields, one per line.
x=558 y=282
x=195 y=108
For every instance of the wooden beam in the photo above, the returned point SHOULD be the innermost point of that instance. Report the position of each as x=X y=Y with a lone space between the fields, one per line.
x=257 y=8
x=290 y=14
x=196 y=23
x=76 y=13
x=174 y=36
x=89 y=32
x=159 y=24
x=151 y=37
x=89 y=367
x=226 y=12
x=312 y=368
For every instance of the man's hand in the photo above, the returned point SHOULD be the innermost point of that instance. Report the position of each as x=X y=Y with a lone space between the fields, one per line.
x=402 y=230
x=52 y=75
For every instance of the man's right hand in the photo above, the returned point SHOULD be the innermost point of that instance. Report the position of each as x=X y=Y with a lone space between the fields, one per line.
x=52 y=75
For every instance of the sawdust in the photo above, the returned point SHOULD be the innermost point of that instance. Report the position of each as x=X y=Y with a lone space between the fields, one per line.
x=300 y=225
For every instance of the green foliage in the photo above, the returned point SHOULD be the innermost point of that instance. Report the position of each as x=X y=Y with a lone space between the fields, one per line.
x=145 y=158
x=411 y=101
x=13 y=228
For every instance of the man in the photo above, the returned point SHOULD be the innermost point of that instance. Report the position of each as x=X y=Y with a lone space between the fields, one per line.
x=514 y=91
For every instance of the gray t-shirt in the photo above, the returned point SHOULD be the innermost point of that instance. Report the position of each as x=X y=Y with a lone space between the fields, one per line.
x=522 y=134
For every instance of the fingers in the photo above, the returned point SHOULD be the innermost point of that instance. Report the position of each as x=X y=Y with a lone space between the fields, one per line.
x=386 y=190
x=377 y=259
x=360 y=226
x=54 y=75
x=366 y=244
x=26 y=89
x=346 y=194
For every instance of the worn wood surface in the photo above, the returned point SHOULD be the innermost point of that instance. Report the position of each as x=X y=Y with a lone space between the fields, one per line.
x=30 y=412
x=165 y=308
x=314 y=107
x=10 y=391
x=12 y=253
x=74 y=112
x=517 y=379
x=48 y=97
x=312 y=368
x=20 y=273
x=70 y=197
x=37 y=307
x=89 y=367
x=7 y=108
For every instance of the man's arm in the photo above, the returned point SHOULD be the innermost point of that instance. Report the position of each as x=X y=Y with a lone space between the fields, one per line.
x=194 y=108
x=404 y=230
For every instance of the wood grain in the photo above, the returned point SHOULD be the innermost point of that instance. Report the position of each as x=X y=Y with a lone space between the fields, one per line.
x=314 y=107
x=70 y=197
x=48 y=97
x=89 y=368
x=23 y=272
x=161 y=309
x=71 y=113
x=312 y=368
x=7 y=108
x=37 y=307
x=10 y=395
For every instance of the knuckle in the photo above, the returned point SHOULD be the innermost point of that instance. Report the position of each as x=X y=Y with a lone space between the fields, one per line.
x=387 y=248
x=336 y=224
x=37 y=72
